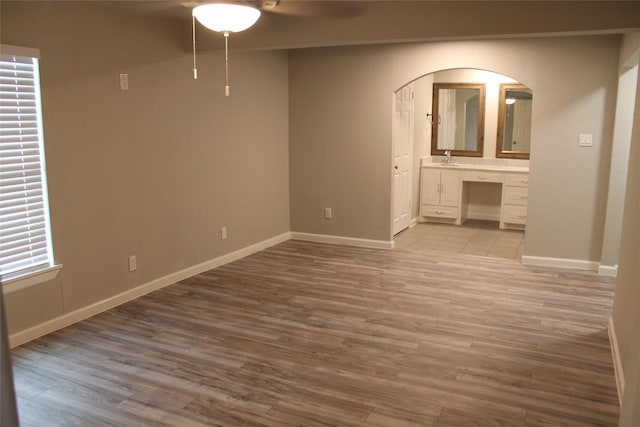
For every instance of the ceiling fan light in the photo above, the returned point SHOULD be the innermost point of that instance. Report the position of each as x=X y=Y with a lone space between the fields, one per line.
x=226 y=18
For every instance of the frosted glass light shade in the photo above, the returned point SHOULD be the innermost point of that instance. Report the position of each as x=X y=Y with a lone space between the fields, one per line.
x=226 y=18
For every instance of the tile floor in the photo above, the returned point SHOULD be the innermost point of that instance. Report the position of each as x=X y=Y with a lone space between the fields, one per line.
x=473 y=238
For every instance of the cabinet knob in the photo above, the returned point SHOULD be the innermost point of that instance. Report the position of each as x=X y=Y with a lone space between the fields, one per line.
x=396 y=167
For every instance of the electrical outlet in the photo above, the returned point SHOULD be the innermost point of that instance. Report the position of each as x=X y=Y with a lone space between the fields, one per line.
x=133 y=263
x=223 y=233
x=327 y=213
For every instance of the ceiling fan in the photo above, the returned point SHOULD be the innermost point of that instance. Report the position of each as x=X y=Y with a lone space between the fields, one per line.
x=231 y=17
x=202 y=11
x=294 y=8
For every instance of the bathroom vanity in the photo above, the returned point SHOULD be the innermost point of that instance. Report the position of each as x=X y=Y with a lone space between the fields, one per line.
x=446 y=191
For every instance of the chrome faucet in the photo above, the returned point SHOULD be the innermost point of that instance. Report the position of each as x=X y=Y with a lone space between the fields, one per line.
x=448 y=159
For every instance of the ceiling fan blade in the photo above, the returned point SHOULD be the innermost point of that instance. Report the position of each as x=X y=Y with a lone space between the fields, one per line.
x=314 y=8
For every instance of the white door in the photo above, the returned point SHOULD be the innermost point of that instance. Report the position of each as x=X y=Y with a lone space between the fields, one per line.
x=402 y=147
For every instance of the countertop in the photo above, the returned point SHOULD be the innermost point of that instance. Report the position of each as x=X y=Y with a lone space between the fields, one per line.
x=471 y=166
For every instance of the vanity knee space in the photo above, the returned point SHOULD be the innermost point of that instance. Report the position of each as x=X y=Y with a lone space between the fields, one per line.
x=444 y=193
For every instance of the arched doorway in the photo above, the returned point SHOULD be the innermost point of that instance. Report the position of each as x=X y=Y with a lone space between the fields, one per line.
x=483 y=212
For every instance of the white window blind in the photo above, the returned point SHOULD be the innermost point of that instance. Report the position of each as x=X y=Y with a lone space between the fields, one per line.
x=25 y=237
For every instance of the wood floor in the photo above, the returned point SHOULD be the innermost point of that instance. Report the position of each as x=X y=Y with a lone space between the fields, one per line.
x=321 y=335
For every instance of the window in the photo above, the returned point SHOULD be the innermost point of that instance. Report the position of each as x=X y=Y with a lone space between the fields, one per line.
x=25 y=236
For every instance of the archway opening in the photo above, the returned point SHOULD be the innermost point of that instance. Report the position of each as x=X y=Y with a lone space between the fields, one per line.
x=473 y=219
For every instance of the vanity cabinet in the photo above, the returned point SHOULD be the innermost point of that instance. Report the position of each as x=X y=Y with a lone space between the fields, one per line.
x=439 y=193
x=515 y=195
x=445 y=193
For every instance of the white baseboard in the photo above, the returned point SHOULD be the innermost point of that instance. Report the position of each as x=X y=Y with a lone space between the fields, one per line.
x=67 y=319
x=608 y=270
x=576 y=264
x=414 y=222
x=341 y=240
x=617 y=362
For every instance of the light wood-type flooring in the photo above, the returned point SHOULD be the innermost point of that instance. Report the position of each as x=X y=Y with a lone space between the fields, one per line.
x=321 y=335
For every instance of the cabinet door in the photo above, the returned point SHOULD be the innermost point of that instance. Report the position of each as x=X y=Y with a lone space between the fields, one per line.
x=429 y=187
x=450 y=188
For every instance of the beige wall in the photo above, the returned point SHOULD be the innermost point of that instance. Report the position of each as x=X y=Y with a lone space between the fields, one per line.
x=340 y=123
x=626 y=307
x=154 y=171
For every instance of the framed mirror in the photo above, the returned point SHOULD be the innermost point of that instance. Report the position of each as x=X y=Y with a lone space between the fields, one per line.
x=458 y=119
x=514 y=121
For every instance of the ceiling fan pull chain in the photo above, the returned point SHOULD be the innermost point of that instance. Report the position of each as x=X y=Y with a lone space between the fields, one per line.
x=193 y=29
x=226 y=63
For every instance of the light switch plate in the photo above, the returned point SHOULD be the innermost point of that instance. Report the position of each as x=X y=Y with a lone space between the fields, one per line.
x=124 y=81
x=586 y=140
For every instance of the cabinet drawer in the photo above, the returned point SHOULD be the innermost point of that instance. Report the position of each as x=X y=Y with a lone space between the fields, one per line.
x=439 y=211
x=514 y=214
x=516 y=195
x=520 y=180
x=480 y=176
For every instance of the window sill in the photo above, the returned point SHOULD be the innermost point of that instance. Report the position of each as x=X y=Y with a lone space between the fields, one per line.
x=31 y=279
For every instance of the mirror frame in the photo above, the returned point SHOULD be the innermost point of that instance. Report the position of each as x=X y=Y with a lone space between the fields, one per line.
x=500 y=152
x=479 y=151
